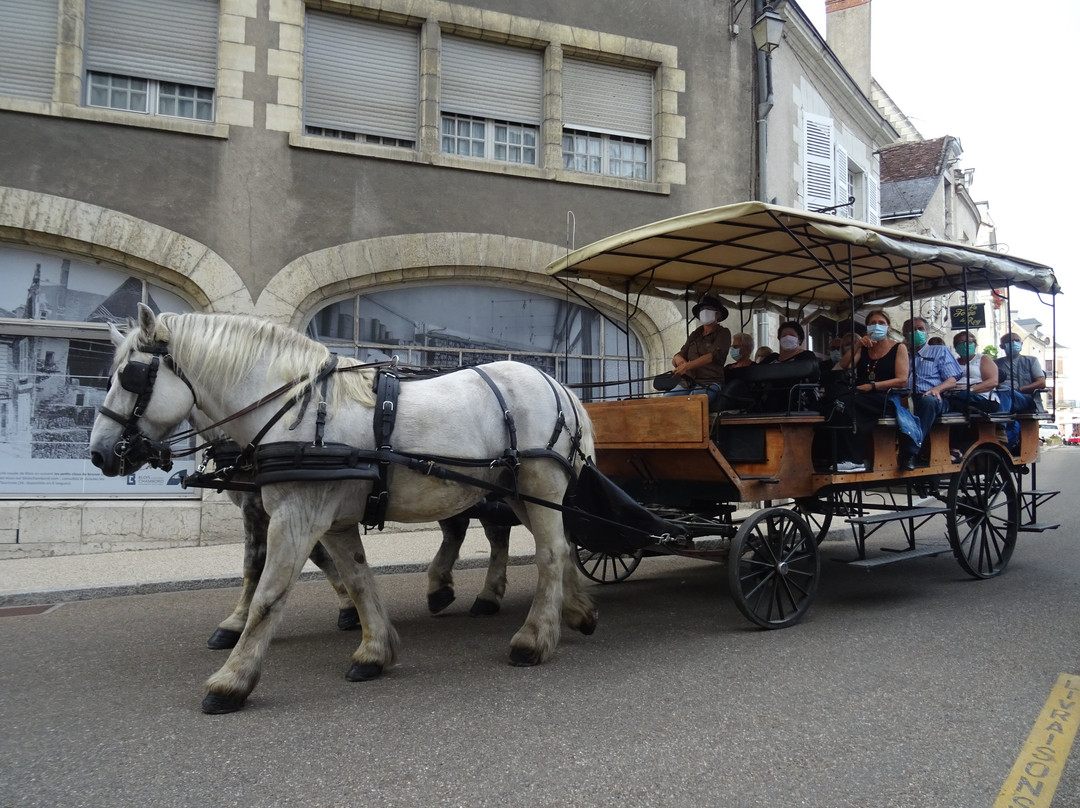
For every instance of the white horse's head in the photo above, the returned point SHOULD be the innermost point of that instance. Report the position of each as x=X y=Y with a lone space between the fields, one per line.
x=148 y=397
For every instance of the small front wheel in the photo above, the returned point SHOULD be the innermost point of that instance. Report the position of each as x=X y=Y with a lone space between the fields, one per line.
x=773 y=568
x=605 y=568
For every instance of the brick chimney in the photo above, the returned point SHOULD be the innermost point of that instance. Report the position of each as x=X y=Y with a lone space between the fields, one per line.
x=847 y=30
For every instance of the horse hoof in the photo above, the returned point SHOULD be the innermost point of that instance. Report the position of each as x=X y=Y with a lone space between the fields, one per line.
x=223 y=638
x=440 y=599
x=484 y=608
x=588 y=625
x=218 y=703
x=348 y=619
x=523 y=657
x=364 y=672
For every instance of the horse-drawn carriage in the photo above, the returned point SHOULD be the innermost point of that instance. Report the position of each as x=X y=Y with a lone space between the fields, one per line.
x=701 y=470
x=358 y=443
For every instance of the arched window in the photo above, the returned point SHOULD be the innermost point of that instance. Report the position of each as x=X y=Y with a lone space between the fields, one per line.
x=55 y=359
x=461 y=325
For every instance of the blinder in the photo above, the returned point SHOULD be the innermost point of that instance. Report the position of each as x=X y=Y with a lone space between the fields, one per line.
x=134 y=445
x=137 y=377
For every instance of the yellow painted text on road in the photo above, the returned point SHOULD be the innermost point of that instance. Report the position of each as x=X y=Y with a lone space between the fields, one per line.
x=1034 y=776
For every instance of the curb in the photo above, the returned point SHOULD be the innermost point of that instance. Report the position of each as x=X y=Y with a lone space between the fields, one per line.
x=49 y=597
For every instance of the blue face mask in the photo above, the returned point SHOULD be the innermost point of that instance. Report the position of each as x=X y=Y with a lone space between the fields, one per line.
x=834 y=355
x=966 y=351
x=1013 y=348
x=735 y=354
x=877 y=331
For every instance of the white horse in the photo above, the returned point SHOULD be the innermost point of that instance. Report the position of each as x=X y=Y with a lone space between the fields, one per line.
x=456 y=423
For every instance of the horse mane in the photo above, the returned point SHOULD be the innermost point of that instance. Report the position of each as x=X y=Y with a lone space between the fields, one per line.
x=218 y=349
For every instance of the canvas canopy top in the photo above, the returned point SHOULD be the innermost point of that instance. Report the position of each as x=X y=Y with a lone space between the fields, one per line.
x=786 y=257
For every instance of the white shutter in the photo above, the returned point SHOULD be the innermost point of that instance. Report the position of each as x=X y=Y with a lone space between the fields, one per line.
x=843 y=187
x=174 y=41
x=873 y=199
x=607 y=98
x=28 y=48
x=817 y=159
x=361 y=76
x=491 y=81
x=873 y=191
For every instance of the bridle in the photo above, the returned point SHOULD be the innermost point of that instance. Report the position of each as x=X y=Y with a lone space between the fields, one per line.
x=134 y=445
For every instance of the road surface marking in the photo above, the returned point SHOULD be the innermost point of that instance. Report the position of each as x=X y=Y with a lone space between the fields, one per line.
x=1034 y=776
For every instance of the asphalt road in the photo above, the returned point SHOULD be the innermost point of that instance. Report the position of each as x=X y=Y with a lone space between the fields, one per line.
x=911 y=685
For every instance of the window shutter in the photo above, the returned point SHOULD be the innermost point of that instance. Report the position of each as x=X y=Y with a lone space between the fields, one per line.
x=491 y=81
x=817 y=161
x=361 y=76
x=873 y=200
x=608 y=99
x=27 y=48
x=174 y=41
x=843 y=187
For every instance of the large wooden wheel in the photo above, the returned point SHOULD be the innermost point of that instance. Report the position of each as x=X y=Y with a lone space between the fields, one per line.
x=773 y=568
x=605 y=568
x=984 y=513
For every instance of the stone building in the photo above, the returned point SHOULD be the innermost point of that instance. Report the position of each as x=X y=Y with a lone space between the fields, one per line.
x=390 y=175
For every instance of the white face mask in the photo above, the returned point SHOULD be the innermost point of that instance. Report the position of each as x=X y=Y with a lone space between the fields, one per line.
x=707 y=316
x=789 y=343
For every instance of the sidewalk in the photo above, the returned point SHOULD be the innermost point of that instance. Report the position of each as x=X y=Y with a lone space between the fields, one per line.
x=36 y=581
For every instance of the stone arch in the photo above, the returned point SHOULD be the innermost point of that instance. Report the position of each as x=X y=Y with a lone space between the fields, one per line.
x=79 y=228
x=374 y=264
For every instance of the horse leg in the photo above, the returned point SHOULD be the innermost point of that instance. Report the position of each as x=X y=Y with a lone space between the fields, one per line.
x=378 y=648
x=347 y=618
x=255 y=524
x=440 y=571
x=489 y=601
x=579 y=612
x=289 y=540
x=559 y=593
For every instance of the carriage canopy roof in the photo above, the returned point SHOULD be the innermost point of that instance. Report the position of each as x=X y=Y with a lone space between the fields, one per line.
x=754 y=250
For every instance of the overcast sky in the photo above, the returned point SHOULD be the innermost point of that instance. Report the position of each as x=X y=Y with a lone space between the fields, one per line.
x=999 y=76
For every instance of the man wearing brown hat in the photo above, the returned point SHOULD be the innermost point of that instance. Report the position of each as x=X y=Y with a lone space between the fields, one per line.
x=699 y=364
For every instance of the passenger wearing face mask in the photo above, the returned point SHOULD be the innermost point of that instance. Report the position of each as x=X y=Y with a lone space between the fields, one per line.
x=791 y=336
x=879 y=364
x=741 y=356
x=1023 y=373
x=934 y=372
x=836 y=374
x=975 y=389
x=699 y=364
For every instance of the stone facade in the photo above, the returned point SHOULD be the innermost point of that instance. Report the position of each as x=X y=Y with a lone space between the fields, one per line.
x=248 y=213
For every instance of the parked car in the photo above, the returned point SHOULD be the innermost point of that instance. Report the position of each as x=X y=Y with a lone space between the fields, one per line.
x=1048 y=431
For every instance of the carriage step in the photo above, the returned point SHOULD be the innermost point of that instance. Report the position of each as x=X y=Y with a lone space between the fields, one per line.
x=760 y=478
x=898 y=555
x=896 y=516
x=1038 y=527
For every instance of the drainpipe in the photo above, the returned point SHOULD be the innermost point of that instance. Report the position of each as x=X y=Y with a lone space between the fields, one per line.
x=763 y=80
